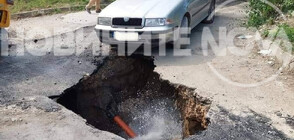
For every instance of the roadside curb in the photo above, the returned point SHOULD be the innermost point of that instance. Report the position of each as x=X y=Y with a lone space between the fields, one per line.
x=42 y=12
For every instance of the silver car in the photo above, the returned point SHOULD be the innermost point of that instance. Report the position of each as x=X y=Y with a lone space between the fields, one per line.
x=148 y=21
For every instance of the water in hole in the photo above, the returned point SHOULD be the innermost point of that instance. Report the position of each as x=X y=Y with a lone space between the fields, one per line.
x=156 y=119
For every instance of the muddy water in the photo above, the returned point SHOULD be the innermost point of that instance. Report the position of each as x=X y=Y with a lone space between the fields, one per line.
x=159 y=119
x=154 y=108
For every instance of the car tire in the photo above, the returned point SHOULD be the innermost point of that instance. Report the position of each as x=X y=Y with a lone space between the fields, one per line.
x=211 y=14
x=184 y=25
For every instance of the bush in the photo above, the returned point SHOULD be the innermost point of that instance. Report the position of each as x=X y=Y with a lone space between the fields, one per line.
x=261 y=13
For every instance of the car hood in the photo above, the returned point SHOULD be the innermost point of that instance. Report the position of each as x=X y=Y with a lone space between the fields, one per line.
x=139 y=8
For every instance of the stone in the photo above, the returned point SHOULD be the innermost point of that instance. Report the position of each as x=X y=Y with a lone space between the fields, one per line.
x=271 y=63
x=265 y=52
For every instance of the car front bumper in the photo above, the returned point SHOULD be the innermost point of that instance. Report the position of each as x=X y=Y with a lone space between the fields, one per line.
x=147 y=35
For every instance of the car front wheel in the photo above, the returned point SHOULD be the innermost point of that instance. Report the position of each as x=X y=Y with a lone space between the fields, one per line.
x=211 y=13
x=182 y=34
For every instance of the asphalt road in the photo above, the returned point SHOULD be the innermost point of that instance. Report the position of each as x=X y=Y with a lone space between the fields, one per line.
x=46 y=75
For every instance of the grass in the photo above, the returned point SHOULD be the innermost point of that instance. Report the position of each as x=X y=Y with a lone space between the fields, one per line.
x=289 y=32
x=261 y=13
x=29 y=5
x=277 y=33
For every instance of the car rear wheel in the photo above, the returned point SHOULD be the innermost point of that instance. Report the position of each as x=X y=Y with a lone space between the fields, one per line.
x=211 y=13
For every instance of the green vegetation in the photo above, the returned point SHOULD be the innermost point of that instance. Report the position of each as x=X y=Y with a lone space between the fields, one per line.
x=284 y=32
x=28 y=5
x=289 y=32
x=261 y=13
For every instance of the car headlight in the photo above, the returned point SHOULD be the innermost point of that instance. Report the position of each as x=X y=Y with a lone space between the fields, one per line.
x=150 y=22
x=104 y=21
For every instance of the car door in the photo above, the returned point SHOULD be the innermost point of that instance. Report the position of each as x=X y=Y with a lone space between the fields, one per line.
x=198 y=10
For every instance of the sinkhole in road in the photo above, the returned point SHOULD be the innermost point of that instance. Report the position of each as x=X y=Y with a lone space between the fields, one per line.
x=154 y=108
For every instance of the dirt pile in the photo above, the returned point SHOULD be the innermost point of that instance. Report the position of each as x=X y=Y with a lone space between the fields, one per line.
x=140 y=95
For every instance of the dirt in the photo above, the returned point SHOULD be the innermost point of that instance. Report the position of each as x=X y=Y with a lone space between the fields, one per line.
x=143 y=99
